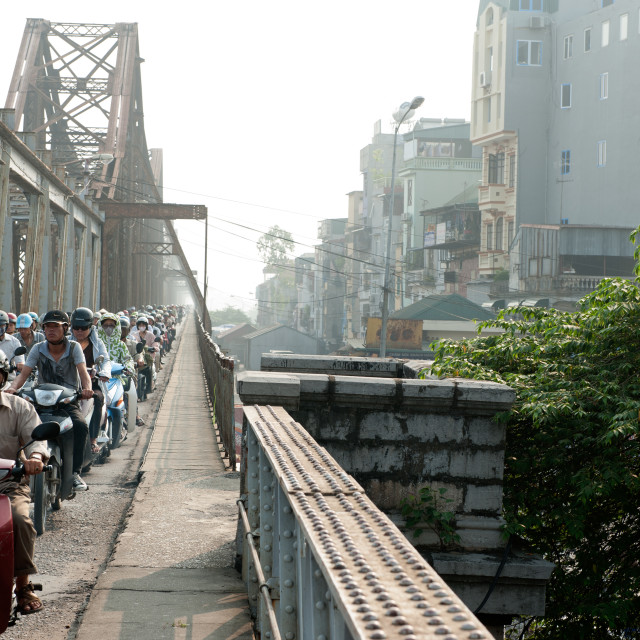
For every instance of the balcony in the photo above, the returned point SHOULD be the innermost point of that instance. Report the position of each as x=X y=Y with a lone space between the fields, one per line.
x=492 y=196
x=456 y=228
x=442 y=164
x=579 y=284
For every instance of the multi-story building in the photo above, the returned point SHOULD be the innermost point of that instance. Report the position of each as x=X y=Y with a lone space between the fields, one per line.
x=277 y=295
x=440 y=168
x=554 y=110
x=435 y=164
x=330 y=285
x=305 y=267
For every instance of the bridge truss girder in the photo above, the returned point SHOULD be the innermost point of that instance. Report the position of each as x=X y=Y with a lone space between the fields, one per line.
x=78 y=88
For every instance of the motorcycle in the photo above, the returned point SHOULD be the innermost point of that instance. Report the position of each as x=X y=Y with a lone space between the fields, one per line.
x=15 y=470
x=49 y=489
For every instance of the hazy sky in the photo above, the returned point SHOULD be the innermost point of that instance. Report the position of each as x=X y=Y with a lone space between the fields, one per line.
x=262 y=108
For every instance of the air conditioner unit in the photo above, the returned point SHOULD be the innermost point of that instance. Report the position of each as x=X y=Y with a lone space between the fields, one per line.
x=485 y=78
x=536 y=22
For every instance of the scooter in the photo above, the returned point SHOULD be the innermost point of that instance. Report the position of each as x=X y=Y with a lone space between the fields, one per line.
x=104 y=438
x=15 y=470
x=50 y=488
x=114 y=402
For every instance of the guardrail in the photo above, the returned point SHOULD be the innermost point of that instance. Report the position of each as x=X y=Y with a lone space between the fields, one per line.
x=218 y=371
x=326 y=562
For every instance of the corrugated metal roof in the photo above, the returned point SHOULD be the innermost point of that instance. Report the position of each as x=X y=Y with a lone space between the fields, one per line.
x=274 y=327
x=238 y=328
x=452 y=307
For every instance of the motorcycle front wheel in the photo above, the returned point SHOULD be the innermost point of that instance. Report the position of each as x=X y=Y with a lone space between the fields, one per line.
x=116 y=429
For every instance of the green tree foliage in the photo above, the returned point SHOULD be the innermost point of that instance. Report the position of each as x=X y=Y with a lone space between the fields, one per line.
x=572 y=474
x=275 y=246
x=228 y=315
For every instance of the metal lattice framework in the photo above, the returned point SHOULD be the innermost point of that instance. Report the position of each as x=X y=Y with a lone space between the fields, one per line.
x=78 y=88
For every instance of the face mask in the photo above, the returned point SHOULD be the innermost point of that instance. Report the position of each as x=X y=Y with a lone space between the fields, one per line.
x=108 y=330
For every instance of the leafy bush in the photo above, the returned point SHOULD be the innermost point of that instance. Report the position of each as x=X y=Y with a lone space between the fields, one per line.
x=572 y=469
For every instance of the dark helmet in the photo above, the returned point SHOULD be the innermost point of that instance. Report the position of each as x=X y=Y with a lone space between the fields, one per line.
x=82 y=318
x=55 y=315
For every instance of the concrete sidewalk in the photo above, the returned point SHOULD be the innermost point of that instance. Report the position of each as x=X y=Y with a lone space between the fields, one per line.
x=171 y=574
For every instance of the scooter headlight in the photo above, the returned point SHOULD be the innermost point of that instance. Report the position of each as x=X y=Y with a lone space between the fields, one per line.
x=48 y=397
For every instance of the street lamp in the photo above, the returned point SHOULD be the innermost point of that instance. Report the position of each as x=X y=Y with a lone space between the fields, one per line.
x=406 y=110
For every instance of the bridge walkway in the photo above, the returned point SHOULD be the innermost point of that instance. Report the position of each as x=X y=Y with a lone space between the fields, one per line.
x=171 y=573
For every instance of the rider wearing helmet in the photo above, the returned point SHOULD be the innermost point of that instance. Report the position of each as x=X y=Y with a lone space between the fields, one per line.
x=27 y=336
x=145 y=375
x=9 y=344
x=11 y=327
x=92 y=348
x=61 y=361
x=36 y=320
x=18 y=418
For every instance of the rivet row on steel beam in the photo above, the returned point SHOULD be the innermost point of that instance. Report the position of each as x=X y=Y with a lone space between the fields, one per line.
x=387 y=590
x=303 y=462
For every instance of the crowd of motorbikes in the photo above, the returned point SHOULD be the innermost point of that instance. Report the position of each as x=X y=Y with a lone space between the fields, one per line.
x=54 y=485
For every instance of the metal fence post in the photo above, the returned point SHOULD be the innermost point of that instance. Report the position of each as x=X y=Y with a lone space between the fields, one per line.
x=287 y=561
x=253 y=514
x=266 y=535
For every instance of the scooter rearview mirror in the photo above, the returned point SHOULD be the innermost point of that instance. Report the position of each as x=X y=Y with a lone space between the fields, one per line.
x=139 y=347
x=46 y=431
x=20 y=351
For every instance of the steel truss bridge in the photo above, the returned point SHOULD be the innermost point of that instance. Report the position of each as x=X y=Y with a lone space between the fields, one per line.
x=79 y=189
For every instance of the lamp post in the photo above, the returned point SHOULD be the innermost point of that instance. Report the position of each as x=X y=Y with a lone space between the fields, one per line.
x=399 y=116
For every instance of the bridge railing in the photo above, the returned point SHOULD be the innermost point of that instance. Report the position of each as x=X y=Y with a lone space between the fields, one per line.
x=320 y=560
x=218 y=371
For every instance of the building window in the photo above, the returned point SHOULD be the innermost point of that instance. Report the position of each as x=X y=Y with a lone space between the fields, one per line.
x=604 y=86
x=499 y=227
x=605 y=33
x=568 y=47
x=565 y=166
x=489 y=237
x=602 y=153
x=496 y=168
x=531 y=5
x=510 y=229
x=489 y=17
x=529 y=53
x=490 y=56
x=488 y=104
x=587 y=39
x=565 y=96
x=512 y=170
x=606 y=3
x=409 y=193
x=624 y=26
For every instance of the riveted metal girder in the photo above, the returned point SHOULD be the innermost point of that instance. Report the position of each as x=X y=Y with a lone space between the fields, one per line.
x=153 y=211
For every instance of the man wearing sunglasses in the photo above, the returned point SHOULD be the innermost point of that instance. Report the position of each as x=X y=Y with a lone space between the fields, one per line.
x=61 y=361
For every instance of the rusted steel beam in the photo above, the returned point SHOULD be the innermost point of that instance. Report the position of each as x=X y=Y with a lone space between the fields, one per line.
x=153 y=211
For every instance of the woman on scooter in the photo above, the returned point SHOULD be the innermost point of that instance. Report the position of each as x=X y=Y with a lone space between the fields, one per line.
x=92 y=348
x=17 y=420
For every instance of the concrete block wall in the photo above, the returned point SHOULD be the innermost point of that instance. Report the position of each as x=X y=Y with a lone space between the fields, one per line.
x=396 y=436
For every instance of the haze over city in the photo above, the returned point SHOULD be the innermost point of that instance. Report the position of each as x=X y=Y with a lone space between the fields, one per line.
x=262 y=108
